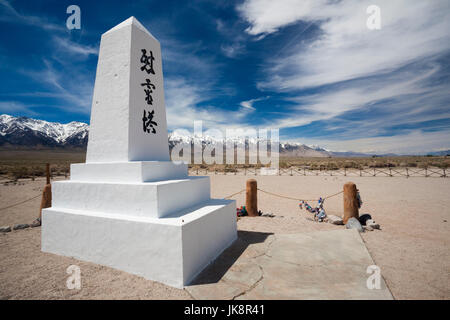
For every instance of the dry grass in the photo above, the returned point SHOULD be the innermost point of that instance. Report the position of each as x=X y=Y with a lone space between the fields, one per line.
x=340 y=163
x=29 y=164
x=368 y=162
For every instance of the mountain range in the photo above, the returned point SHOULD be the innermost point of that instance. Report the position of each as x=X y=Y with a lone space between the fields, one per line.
x=27 y=133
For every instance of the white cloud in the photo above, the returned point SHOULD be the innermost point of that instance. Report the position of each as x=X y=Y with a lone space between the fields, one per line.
x=267 y=16
x=11 y=107
x=74 y=48
x=413 y=142
x=10 y=14
x=390 y=73
x=404 y=98
x=346 y=48
x=233 y=50
x=76 y=90
x=249 y=103
x=182 y=99
x=191 y=79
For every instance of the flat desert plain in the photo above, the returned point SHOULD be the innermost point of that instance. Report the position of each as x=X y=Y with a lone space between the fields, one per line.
x=411 y=248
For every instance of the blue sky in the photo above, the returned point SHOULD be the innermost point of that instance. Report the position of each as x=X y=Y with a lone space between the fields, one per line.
x=311 y=68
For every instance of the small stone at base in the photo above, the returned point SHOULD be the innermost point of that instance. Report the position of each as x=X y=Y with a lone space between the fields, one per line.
x=21 y=226
x=5 y=229
x=373 y=224
x=335 y=220
x=36 y=223
x=354 y=223
x=364 y=218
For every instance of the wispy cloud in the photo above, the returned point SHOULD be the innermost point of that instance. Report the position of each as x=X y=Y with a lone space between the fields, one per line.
x=249 y=103
x=191 y=79
x=266 y=16
x=233 y=50
x=412 y=142
x=182 y=105
x=10 y=14
x=66 y=45
x=14 y=107
x=389 y=77
x=77 y=93
x=347 y=49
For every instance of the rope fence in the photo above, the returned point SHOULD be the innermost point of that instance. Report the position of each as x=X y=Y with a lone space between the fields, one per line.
x=19 y=203
x=251 y=200
x=282 y=196
x=234 y=194
x=297 y=199
x=407 y=172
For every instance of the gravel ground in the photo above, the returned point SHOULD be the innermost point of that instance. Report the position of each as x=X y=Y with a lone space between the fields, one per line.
x=411 y=249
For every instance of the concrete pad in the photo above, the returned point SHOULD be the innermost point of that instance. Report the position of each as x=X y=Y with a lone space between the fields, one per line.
x=319 y=265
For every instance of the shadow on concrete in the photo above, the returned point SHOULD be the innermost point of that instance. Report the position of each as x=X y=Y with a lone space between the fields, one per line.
x=217 y=269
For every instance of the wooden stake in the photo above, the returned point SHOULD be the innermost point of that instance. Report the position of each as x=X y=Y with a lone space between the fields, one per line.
x=251 y=199
x=46 y=201
x=350 y=202
x=47 y=171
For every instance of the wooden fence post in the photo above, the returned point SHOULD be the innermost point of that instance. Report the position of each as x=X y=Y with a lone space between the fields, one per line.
x=350 y=202
x=47 y=172
x=251 y=198
x=46 y=201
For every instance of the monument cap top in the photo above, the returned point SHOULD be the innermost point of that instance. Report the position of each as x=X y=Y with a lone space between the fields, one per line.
x=130 y=21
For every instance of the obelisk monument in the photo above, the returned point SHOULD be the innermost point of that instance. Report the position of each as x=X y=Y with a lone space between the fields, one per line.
x=129 y=207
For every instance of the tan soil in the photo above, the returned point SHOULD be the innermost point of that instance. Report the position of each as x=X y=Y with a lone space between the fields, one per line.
x=411 y=249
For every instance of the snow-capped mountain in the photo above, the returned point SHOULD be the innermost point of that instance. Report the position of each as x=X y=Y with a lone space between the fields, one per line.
x=27 y=133
x=287 y=149
x=23 y=131
x=16 y=132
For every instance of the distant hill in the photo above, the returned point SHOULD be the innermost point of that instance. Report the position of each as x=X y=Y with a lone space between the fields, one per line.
x=439 y=153
x=22 y=133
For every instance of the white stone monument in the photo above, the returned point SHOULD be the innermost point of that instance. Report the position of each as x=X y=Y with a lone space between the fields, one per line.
x=129 y=207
